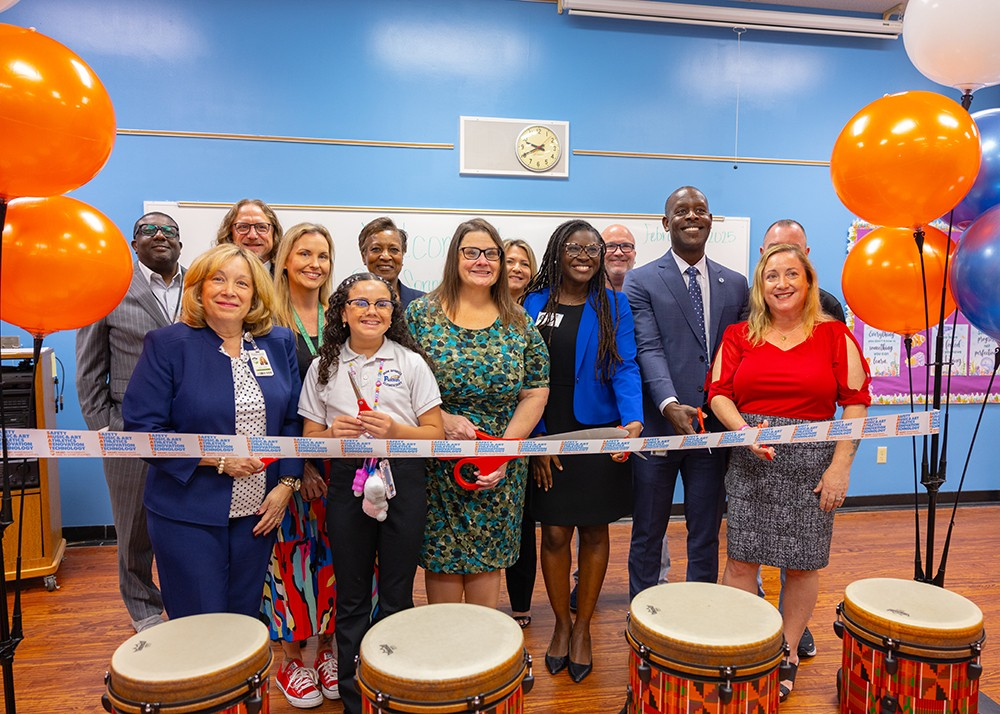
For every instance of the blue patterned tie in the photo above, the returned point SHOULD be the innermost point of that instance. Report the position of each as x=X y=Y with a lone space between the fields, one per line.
x=694 y=290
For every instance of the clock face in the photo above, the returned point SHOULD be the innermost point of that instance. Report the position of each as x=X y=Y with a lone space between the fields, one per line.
x=537 y=148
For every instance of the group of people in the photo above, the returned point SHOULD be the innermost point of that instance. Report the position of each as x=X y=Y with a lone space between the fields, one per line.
x=253 y=339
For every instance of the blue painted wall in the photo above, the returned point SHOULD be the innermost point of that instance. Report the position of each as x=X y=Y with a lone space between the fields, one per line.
x=398 y=70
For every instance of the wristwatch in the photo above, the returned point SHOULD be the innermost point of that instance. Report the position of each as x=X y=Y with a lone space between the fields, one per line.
x=292 y=483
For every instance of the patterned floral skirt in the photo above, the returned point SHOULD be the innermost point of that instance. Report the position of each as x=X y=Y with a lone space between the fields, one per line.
x=300 y=591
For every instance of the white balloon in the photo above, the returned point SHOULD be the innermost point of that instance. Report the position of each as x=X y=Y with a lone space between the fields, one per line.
x=954 y=42
x=4 y=4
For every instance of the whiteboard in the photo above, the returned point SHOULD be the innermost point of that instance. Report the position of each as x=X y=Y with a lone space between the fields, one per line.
x=429 y=232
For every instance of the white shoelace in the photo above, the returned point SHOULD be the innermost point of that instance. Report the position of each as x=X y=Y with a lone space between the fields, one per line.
x=295 y=680
x=328 y=667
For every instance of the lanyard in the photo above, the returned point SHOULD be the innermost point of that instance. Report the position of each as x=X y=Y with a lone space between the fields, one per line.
x=378 y=380
x=305 y=335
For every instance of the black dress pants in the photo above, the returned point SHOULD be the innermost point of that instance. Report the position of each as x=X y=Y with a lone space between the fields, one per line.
x=356 y=539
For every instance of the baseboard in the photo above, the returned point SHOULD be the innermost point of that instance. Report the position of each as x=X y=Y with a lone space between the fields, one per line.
x=90 y=535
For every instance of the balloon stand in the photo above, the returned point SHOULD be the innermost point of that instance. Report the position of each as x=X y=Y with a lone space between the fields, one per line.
x=11 y=631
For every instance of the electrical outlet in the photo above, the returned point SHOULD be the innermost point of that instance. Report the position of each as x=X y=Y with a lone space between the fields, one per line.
x=882 y=455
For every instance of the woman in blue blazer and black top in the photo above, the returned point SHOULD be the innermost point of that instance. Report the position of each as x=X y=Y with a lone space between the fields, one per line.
x=222 y=370
x=594 y=381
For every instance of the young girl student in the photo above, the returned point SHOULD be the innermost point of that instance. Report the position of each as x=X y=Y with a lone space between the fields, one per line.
x=366 y=342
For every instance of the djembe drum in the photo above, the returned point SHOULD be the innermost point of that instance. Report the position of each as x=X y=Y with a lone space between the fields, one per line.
x=444 y=658
x=908 y=646
x=702 y=647
x=192 y=665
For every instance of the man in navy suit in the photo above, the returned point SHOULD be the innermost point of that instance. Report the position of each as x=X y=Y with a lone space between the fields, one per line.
x=682 y=303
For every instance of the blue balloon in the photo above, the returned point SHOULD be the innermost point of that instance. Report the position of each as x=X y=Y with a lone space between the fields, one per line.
x=975 y=273
x=985 y=191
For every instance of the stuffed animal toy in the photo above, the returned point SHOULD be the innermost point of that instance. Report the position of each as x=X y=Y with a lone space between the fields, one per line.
x=375 y=504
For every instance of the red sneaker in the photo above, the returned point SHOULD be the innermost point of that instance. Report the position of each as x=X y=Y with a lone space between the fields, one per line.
x=298 y=683
x=326 y=666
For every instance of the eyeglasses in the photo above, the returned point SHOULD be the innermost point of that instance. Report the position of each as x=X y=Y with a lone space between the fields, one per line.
x=625 y=248
x=592 y=249
x=243 y=228
x=149 y=230
x=473 y=253
x=364 y=304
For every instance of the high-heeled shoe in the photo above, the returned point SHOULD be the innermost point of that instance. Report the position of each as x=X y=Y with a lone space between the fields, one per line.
x=578 y=672
x=555 y=665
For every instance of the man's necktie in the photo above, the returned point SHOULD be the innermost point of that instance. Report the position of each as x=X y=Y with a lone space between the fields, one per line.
x=694 y=290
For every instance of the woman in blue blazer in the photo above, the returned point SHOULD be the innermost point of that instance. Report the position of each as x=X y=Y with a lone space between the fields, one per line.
x=222 y=370
x=593 y=381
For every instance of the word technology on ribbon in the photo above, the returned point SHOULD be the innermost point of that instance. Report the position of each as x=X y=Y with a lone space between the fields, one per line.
x=57 y=443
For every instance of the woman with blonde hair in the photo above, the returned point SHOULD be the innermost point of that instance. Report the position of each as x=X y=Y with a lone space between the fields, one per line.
x=300 y=589
x=492 y=368
x=224 y=369
x=789 y=363
x=521 y=265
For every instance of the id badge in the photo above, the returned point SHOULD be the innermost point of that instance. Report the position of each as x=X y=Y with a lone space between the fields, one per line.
x=385 y=472
x=546 y=319
x=260 y=363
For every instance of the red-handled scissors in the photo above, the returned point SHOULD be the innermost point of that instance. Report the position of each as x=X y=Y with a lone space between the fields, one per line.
x=362 y=402
x=489 y=464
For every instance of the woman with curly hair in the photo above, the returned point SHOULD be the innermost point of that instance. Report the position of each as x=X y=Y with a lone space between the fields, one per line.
x=366 y=341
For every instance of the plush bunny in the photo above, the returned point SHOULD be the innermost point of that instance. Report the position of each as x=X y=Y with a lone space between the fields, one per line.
x=375 y=504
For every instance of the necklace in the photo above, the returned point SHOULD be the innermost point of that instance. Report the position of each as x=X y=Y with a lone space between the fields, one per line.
x=785 y=335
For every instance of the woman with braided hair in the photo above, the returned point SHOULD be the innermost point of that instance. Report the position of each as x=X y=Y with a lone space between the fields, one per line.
x=594 y=381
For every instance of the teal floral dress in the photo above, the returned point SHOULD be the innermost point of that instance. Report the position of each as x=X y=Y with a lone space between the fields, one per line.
x=480 y=373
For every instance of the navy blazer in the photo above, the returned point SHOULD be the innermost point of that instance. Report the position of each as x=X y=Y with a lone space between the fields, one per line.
x=672 y=357
x=182 y=384
x=594 y=401
x=407 y=295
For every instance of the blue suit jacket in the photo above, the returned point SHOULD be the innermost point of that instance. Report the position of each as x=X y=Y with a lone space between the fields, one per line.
x=673 y=360
x=182 y=384
x=407 y=295
x=594 y=401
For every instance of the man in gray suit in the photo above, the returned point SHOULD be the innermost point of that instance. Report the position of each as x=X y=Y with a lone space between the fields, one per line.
x=682 y=303
x=106 y=354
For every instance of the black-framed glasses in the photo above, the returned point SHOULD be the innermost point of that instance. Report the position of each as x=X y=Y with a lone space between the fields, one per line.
x=149 y=230
x=625 y=248
x=383 y=304
x=243 y=228
x=593 y=250
x=473 y=253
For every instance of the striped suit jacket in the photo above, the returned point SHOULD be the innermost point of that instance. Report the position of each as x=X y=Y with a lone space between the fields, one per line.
x=107 y=351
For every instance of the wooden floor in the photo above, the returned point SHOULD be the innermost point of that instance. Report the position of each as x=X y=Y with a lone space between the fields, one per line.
x=70 y=634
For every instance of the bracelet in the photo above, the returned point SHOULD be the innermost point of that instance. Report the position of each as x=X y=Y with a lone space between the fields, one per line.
x=292 y=483
x=221 y=465
x=745 y=426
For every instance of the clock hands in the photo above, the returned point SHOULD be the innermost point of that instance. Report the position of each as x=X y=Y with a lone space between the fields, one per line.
x=538 y=147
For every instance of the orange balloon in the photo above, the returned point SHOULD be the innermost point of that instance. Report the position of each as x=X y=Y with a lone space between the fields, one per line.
x=57 y=124
x=906 y=159
x=65 y=265
x=882 y=282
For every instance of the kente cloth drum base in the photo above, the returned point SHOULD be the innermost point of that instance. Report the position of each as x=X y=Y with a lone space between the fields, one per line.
x=438 y=659
x=908 y=647
x=202 y=664
x=705 y=648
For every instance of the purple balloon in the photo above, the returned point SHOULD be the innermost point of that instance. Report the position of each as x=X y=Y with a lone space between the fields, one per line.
x=975 y=273
x=985 y=191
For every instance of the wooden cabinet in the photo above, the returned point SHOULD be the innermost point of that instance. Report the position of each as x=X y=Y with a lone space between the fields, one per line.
x=43 y=545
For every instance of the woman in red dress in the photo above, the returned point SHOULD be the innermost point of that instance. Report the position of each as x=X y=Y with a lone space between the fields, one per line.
x=787 y=364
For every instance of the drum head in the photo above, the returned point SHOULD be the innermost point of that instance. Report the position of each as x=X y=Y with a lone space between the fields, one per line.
x=706 y=624
x=912 y=612
x=189 y=659
x=444 y=652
